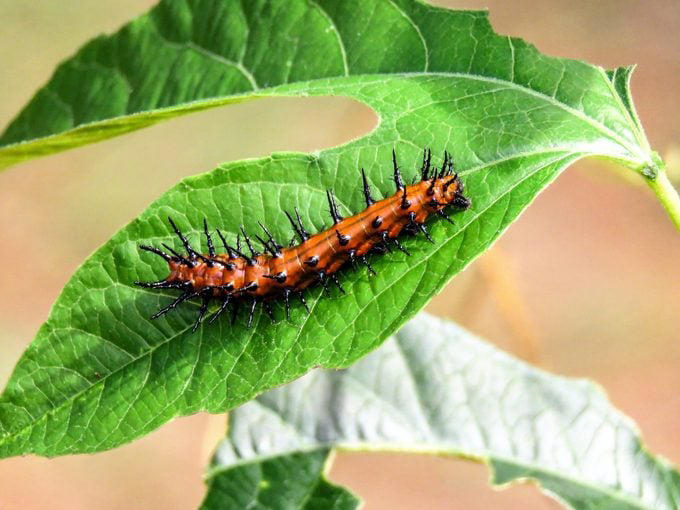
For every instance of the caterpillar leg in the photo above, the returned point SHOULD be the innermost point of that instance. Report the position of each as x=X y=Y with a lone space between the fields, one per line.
x=321 y=275
x=221 y=309
x=400 y=247
x=301 y=296
x=286 y=300
x=201 y=312
x=385 y=240
x=414 y=226
x=252 y=312
x=234 y=312
x=268 y=309
x=423 y=229
x=335 y=280
x=442 y=214
x=364 y=261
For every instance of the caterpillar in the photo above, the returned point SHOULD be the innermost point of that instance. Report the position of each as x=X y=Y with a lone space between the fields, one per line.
x=278 y=272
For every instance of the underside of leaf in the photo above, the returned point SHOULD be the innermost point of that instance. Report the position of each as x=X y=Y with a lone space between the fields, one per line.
x=435 y=388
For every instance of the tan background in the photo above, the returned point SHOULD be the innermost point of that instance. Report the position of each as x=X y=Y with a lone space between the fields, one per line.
x=586 y=283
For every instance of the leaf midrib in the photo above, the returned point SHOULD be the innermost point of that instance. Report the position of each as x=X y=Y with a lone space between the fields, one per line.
x=280 y=90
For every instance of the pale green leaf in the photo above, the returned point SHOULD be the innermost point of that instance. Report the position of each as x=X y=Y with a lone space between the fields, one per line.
x=435 y=388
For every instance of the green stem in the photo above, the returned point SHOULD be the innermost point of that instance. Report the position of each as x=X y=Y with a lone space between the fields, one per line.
x=667 y=195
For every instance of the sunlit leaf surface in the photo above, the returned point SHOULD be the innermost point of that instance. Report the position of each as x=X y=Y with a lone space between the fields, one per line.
x=100 y=373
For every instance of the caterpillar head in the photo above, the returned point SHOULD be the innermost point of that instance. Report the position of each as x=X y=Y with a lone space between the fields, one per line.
x=449 y=190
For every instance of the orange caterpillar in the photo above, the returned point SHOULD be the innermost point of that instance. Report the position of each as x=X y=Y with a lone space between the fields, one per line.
x=282 y=272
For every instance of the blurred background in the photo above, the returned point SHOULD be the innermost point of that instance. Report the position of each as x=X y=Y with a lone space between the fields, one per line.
x=586 y=283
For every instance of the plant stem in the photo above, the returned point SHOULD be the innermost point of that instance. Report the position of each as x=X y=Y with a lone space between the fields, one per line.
x=667 y=195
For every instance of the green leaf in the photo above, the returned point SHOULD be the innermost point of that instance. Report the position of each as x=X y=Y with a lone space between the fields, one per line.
x=293 y=481
x=100 y=373
x=435 y=388
x=188 y=55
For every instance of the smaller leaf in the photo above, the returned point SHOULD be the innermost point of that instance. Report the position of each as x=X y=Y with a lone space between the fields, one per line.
x=288 y=481
x=435 y=388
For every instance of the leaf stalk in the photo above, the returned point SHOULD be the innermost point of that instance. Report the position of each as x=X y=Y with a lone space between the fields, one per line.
x=667 y=195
